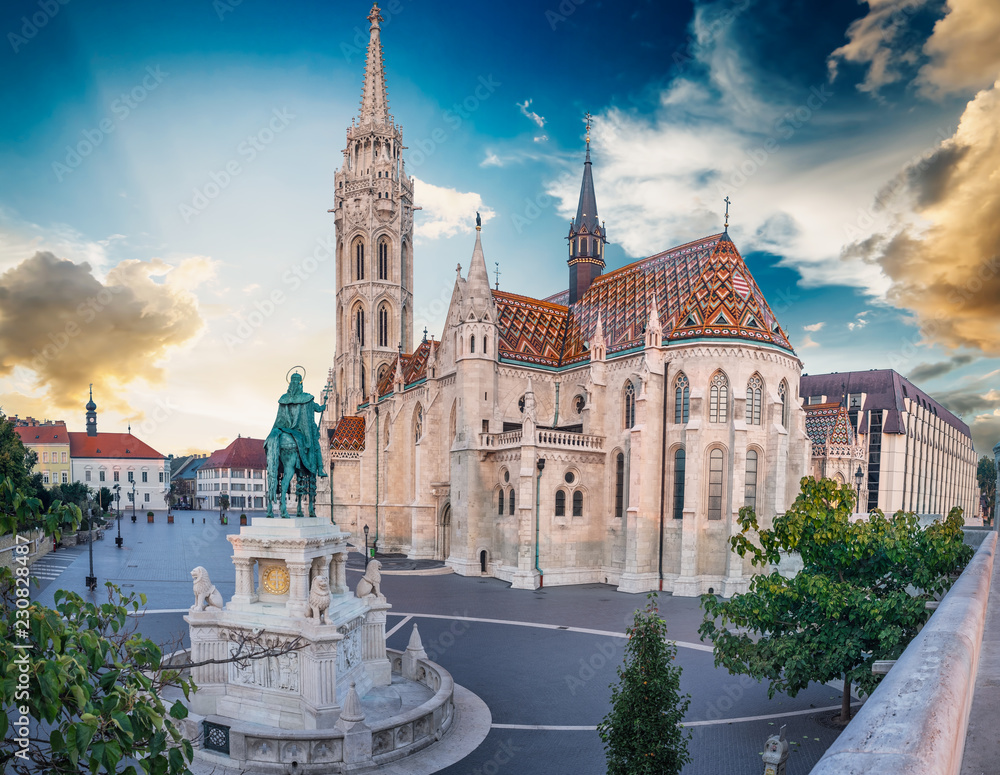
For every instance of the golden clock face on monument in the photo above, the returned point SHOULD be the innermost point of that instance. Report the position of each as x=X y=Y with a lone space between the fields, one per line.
x=274 y=580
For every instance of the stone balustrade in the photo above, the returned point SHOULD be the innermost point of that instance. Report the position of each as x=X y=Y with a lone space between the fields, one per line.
x=544 y=438
x=916 y=720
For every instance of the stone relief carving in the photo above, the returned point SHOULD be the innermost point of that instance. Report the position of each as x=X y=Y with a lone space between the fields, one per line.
x=349 y=649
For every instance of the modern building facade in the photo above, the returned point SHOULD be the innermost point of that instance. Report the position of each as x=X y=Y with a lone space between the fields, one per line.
x=608 y=433
x=184 y=479
x=237 y=471
x=109 y=459
x=917 y=456
x=50 y=441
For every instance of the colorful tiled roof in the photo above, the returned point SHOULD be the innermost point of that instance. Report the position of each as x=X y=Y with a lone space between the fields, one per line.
x=414 y=367
x=349 y=434
x=50 y=433
x=702 y=290
x=109 y=445
x=242 y=452
x=829 y=424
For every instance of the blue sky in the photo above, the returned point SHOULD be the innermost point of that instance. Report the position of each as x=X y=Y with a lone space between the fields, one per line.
x=853 y=139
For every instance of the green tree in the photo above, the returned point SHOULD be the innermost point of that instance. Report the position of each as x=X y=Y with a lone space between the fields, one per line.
x=642 y=733
x=16 y=460
x=104 y=499
x=851 y=603
x=76 y=493
x=223 y=502
x=986 y=475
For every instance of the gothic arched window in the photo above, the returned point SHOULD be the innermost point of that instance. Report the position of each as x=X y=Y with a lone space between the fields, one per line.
x=629 y=404
x=783 y=395
x=383 y=259
x=383 y=326
x=510 y=501
x=718 y=405
x=364 y=391
x=381 y=372
x=755 y=389
x=359 y=325
x=560 y=503
x=715 y=488
x=578 y=504
x=619 y=485
x=750 y=496
x=500 y=506
x=472 y=343
x=679 y=463
x=359 y=259
x=682 y=399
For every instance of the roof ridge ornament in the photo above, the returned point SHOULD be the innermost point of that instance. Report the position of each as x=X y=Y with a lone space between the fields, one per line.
x=726 y=226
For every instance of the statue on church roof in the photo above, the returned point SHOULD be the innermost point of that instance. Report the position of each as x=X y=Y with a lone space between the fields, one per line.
x=292 y=449
x=479 y=221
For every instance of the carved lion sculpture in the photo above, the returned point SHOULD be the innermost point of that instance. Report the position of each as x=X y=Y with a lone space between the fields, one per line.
x=369 y=584
x=319 y=599
x=205 y=593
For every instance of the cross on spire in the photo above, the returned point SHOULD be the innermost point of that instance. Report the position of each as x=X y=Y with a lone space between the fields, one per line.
x=726 y=200
x=496 y=274
x=589 y=119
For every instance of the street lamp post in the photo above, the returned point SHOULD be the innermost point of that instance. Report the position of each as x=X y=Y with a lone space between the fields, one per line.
x=366 y=547
x=91 y=579
x=118 y=514
x=858 y=477
x=133 y=500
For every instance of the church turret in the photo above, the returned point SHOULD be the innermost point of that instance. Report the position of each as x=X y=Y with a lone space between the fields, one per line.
x=373 y=215
x=477 y=329
x=587 y=236
x=91 y=414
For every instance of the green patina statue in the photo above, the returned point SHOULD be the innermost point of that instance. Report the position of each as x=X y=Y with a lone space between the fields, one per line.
x=292 y=448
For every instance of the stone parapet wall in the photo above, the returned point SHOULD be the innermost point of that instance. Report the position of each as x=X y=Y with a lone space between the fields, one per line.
x=38 y=545
x=916 y=720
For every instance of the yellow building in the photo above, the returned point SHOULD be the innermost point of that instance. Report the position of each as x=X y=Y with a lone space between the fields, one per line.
x=50 y=441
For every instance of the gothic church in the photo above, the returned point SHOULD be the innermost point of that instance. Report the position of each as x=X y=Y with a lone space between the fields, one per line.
x=609 y=433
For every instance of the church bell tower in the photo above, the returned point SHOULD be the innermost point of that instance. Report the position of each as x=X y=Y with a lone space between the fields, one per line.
x=587 y=237
x=373 y=217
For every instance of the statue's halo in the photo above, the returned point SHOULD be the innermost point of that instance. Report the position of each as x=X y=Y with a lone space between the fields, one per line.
x=295 y=370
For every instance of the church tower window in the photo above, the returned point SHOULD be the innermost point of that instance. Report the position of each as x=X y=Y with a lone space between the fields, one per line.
x=629 y=405
x=755 y=389
x=359 y=325
x=715 y=488
x=500 y=507
x=510 y=501
x=383 y=260
x=577 y=504
x=783 y=395
x=364 y=391
x=560 y=503
x=718 y=405
x=472 y=344
x=359 y=259
x=682 y=399
x=383 y=326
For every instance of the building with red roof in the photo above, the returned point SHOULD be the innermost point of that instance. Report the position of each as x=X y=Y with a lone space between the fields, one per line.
x=122 y=462
x=237 y=471
x=50 y=441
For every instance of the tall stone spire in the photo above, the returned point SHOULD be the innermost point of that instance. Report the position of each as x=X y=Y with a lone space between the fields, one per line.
x=374 y=102
x=586 y=235
x=479 y=279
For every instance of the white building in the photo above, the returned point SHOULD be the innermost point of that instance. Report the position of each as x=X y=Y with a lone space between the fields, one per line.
x=109 y=459
x=237 y=471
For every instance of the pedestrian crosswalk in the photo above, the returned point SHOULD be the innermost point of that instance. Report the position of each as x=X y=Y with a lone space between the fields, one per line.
x=49 y=568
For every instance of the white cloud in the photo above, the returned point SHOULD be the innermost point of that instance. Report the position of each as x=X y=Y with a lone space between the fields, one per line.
x=530 y=114
x=541 y=138
x=491 y=160
x=447 y=211
x=859 y=322
x=814 y=327
x=807 y=342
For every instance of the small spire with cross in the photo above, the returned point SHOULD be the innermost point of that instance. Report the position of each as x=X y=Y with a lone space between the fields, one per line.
x=496 y=274
x=425 y=333
x=726 y=200
x=589 y=118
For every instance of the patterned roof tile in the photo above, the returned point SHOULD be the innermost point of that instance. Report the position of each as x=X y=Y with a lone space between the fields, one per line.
x=349 y=434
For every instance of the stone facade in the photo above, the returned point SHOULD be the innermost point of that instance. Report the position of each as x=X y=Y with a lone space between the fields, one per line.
x=610 y=439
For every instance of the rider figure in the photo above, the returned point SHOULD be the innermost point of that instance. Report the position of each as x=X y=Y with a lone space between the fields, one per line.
x=295 y=418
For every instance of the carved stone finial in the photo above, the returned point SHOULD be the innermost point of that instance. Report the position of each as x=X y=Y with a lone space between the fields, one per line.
x=415 y=643
x=352 y=711
x=375 y=17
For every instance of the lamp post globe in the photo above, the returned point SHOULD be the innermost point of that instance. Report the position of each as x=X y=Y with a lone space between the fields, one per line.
x=366 y=547
x=91 y=579
x=858 y=477
x=118 y=515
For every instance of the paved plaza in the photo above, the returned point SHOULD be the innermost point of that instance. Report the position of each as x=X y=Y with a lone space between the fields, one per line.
x=542 y=660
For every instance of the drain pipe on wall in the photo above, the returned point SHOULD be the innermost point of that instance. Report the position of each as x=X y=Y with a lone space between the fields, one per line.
x=540 y=465
x=663 y=463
